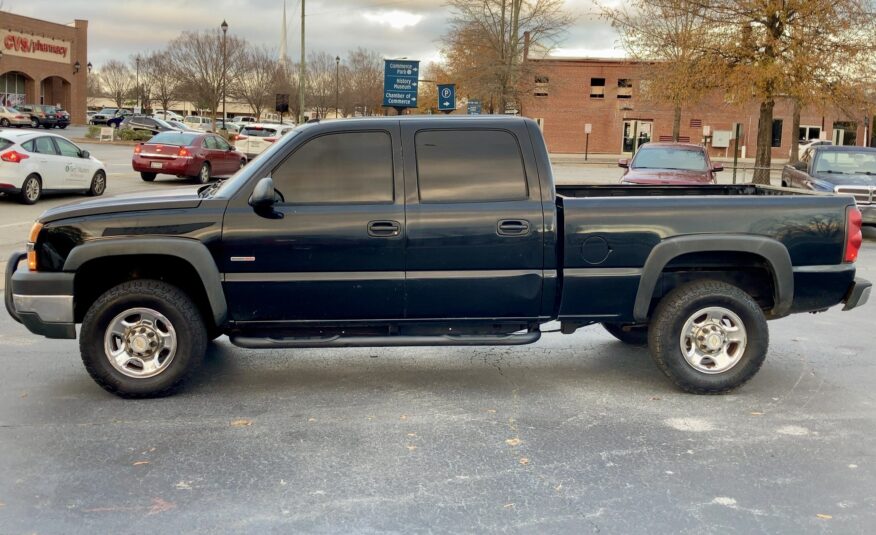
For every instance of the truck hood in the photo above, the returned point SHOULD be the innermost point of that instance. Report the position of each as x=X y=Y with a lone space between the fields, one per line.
x=133 y=202
x=666 y=176
x=847 y=180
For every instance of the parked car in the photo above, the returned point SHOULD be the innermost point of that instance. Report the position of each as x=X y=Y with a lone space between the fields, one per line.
x=146 y=124
x=12 y=117
x=32 y=163
x=167 y=115
x=254 y=138
x=840 y=169
x=330 y=239
x=670 y=163
x=108 y=114
x=40 y=115
x=803 y=146
x=180 y=126
x=88 y=115
x=197 y=122
x=61 y=115
x=241 y=119
x=232 y=128
x=198 y=156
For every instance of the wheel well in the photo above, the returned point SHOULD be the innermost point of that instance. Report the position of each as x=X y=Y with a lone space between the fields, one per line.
x=748 y=271
x=99 y=275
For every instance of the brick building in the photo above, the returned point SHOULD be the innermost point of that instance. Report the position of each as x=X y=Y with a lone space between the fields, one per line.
x=605 y=93
x=44 y=63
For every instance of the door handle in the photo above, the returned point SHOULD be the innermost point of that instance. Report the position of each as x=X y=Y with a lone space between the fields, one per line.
x=384 y=229
x=513 y=227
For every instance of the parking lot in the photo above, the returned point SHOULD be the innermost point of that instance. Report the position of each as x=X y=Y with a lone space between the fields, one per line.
x=573 y=434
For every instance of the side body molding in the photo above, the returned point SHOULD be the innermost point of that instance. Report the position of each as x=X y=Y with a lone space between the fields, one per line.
x=775 y=253
x=191 y=251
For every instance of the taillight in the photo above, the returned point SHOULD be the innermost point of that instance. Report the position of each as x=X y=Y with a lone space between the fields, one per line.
x=854 y=236
x=183 y=152
x=13 y=156
x=239 y=137
x=138 y=149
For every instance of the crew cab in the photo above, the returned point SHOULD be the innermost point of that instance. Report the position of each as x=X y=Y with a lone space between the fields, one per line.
x=442 y=231
x=839 y=169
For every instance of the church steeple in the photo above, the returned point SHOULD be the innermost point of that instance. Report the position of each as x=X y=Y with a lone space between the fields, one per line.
x=284 y=59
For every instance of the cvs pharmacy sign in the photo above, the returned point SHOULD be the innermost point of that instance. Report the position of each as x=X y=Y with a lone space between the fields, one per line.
x=28 y=45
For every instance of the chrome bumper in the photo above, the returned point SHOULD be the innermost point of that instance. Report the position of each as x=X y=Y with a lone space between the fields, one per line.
x=42 y=302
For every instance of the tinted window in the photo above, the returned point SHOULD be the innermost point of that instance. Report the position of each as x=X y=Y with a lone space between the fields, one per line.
x=210 y=142
x=44 y=145
x=221 y=144
x=174 y=138
x=259 y=131
x=67 y=148
x=345 y=168
x=5 y=143
x=469 y=166
x=669 y=158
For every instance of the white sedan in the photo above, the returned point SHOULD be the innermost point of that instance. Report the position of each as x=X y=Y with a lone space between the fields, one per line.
x=33 y=162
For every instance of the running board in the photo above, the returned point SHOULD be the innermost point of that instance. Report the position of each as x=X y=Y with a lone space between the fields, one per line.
x=251 y=342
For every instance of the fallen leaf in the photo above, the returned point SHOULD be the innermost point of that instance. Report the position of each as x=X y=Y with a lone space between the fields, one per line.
x=412 y=434
x=491 y=411
x=138 y=463
x=243 y=422
x=23 y=395
x=311 y=419
x=507 y=505
x=403 y=417
x=755 y=413
x=183 y=485
x=823 y=516
x=513 y=441
x=524 y=461
x=160 y=506
x=411 y=447
x=655 y=398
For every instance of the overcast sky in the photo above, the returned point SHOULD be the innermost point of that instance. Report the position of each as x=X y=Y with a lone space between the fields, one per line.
x=395 y=28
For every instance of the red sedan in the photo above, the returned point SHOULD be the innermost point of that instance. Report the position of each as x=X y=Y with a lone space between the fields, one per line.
x=194 y=155
x=668 y=164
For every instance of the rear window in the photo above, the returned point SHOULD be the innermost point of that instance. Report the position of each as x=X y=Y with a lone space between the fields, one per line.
x=180 y=139
x=259 y=131
x=5 y=143
x=669 y=158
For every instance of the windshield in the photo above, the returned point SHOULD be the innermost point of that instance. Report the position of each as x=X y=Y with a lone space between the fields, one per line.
x=163 y=124
x=669 y=158
x=107 y=111
x=258 y=131
x=846 y=163
x=180 y=139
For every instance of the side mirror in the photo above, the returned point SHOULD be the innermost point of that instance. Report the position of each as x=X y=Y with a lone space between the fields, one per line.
x=84 y=154
x=624 y=162
x=717 y=167
x=263 y=196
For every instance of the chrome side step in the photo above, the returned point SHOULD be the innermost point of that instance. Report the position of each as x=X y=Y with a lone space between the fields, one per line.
x=251 y=342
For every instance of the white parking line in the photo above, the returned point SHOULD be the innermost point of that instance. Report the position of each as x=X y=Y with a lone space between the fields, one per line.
x=9 y=225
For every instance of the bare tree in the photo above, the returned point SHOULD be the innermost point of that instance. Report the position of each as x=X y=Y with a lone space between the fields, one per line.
x=259 y=71
x=198 y=56
x=166 y=84
x=117 y=82
x=364 y=81
x=321 y=82
x=484 y=48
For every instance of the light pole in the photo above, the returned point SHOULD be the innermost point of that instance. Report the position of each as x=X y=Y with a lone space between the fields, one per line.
x=137 y=62
x=224 y=72
x=337 y=83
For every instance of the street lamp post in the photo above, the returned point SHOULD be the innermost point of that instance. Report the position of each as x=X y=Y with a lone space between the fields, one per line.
x=337 y=83
x=137 y=61
x=224 y=72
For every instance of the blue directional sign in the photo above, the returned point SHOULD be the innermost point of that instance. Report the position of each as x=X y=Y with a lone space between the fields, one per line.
x=474 y=107
x=400 y=83
x=446 y=97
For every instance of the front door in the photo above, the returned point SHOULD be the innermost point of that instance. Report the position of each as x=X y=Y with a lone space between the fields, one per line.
x=475 y=225
x=635 y=134
x=334 y=249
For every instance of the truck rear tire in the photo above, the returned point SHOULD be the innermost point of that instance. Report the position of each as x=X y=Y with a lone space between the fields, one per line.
x=635 y=335
x=142 y=339
x=709 y=337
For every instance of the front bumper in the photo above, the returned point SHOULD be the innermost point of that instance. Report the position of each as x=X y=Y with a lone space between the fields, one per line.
x=858 y=294
x=42 y=302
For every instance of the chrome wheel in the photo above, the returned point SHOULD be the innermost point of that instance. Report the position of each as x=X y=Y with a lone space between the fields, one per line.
x=32 y=189
x=140 y=343
x=713 y=340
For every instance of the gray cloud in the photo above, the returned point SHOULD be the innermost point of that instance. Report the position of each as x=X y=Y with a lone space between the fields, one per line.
x=120 y=28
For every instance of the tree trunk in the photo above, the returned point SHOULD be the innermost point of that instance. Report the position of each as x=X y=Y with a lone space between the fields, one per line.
x=795 y=132
x=676 y=122
x=763 y=156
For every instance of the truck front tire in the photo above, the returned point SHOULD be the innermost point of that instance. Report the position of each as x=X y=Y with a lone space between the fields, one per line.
x=709 y=337
x=142 y=339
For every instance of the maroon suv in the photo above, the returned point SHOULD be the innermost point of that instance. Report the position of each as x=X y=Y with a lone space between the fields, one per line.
x=670 y=163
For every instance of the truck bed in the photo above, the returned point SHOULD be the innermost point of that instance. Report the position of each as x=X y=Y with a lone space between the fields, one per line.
x=614 y=190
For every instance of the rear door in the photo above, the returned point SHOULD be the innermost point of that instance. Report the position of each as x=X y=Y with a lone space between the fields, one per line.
x=334 y=249
x=51 y=164
x=475 y=223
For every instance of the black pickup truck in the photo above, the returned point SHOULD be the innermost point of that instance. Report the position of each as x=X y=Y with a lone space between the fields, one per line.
x=429 y=231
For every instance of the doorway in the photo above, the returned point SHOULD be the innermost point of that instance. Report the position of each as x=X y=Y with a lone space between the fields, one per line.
x=845 y=133
x=635 y=133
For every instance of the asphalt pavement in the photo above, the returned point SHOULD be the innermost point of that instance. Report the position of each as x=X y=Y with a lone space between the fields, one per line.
x=574 y=434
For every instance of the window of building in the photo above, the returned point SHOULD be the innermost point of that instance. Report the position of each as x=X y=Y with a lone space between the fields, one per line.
x=11 y=89
x=469 y=166
x=597 y=88
x=541 y=86
x=808 y=133
x=624 y=88
x=343 y=168
x=777 y=133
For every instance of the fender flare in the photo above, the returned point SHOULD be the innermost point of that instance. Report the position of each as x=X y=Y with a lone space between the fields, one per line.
x=191 y=251
x=773 y=251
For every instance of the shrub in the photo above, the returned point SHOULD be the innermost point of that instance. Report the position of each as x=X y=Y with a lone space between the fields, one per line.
x=134 y=135
x=93 y=132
